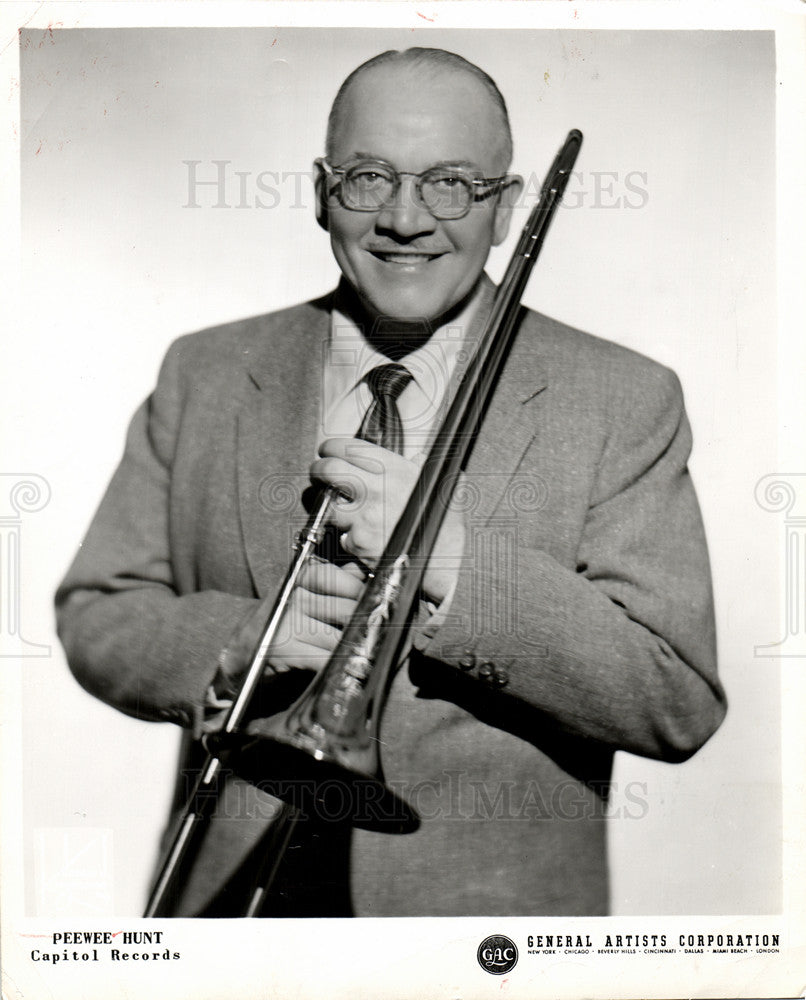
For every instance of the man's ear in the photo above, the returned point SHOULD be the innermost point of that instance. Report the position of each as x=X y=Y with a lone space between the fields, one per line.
x=507 y=198
x=320 y=191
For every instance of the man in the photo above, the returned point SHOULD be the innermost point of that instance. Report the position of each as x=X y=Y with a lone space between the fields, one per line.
x=566 y=611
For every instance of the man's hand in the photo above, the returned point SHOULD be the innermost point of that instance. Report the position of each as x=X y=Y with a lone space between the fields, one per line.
x=319 y=608
x=309 y=631
x=376 y=485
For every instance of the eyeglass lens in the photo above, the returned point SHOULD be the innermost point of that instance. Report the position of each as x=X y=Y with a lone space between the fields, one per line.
x=369 y=186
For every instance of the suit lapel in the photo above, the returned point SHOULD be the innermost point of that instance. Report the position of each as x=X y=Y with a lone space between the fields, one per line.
x=509 y=426
x=277 y=432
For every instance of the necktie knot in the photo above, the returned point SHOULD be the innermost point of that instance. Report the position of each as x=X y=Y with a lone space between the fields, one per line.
x=388 y=380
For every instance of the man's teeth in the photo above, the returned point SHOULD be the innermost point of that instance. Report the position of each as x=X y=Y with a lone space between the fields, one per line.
x=406 y=258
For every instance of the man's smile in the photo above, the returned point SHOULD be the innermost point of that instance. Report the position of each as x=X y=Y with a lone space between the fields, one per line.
x=406 y=257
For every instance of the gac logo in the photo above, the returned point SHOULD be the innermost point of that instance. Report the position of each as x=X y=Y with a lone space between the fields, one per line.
x=497 y=954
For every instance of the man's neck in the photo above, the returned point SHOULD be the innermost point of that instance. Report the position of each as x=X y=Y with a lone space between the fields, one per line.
x=393 y=337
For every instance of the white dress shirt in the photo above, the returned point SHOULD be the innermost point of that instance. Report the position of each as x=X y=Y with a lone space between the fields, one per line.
x=434 y=367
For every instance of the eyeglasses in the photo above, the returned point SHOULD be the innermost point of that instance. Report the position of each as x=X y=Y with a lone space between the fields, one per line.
x=447 y=192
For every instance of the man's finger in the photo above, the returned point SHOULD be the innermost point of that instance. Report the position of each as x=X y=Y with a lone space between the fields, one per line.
x=325 y=608
x=346 y=478
x=326 y=578
x=299 y=655
x=358 y=453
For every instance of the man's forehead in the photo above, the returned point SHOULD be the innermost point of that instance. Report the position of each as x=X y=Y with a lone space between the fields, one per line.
x=394 y=110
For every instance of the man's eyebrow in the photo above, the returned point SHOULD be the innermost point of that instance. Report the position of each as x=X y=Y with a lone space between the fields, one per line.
x=467 y=164
x=361 y=155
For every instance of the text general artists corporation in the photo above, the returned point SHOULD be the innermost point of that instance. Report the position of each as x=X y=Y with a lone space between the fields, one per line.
x=583 y=944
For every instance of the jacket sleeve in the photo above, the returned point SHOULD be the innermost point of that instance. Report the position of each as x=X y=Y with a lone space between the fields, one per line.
x=130 y=639
x=621 y=648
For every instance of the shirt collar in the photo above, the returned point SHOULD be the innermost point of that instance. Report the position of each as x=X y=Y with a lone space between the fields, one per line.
x=350 y=356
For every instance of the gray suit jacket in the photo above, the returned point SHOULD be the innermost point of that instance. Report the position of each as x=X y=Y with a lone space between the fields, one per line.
x=586 y=587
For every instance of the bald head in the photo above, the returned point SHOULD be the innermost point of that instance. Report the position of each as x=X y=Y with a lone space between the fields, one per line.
x=436 y=68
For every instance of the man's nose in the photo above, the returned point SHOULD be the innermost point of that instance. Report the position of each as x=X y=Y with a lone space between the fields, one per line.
x=404 y=213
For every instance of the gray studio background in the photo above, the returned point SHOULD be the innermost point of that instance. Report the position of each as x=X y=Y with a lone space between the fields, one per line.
x=670 y=250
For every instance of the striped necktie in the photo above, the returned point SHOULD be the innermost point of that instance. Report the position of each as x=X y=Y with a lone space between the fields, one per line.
x=382 y=424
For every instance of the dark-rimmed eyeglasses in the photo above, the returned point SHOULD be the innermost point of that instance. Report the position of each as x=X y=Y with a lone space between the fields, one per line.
x=447 y=192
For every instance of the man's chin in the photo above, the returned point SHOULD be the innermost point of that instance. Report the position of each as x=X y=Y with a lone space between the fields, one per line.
x=410 y=309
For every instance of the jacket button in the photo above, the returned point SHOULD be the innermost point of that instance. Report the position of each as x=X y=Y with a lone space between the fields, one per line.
x=487 y=671
x=500 y=677
x=468 y=661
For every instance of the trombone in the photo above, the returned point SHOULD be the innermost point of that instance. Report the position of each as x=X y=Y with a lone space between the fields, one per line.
x=331 y=730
